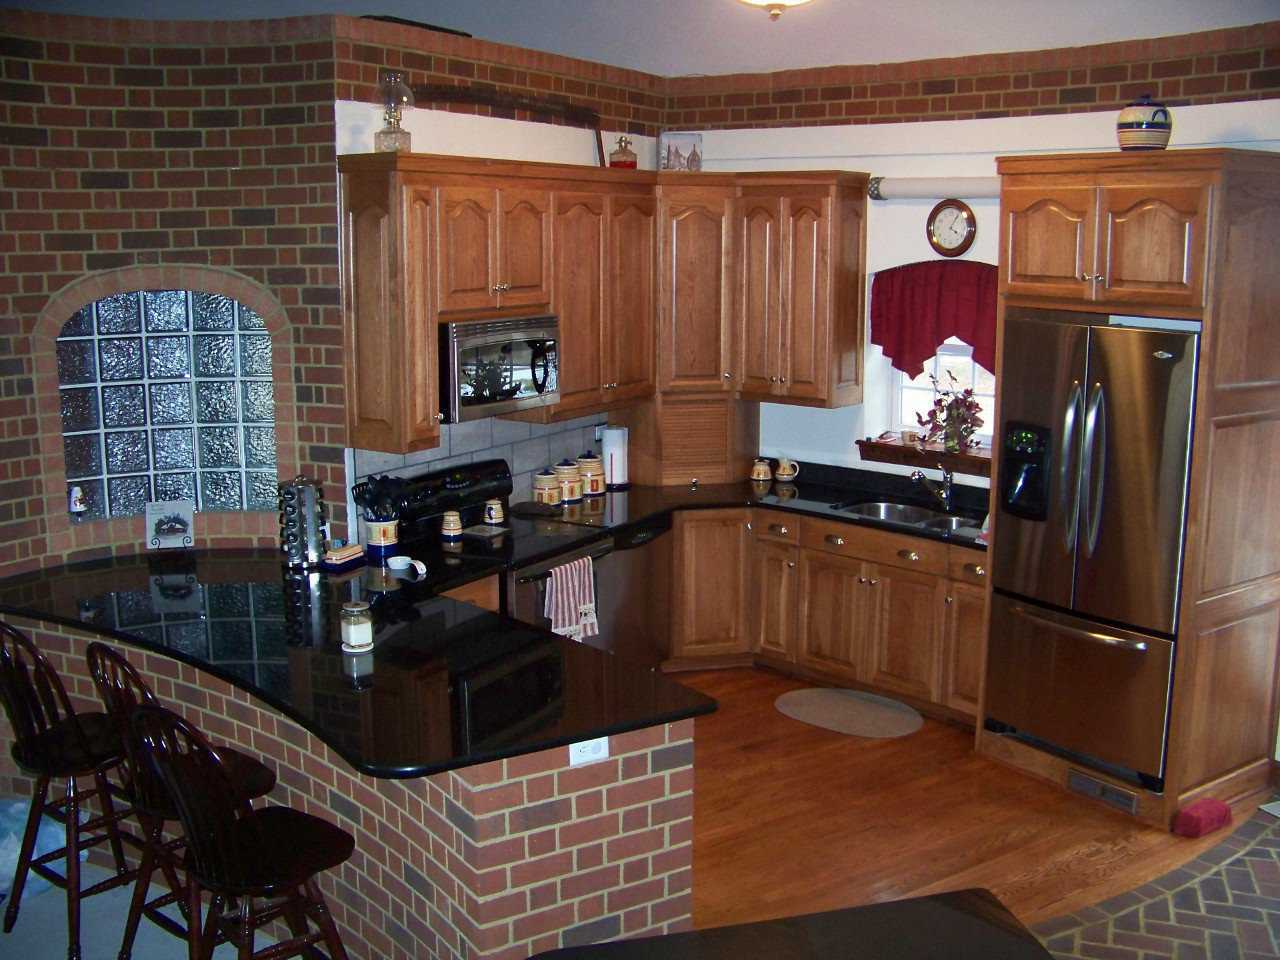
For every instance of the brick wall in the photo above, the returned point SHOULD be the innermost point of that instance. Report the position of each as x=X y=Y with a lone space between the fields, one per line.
x=1212 y=67
x=203 y=152
x=499 y=860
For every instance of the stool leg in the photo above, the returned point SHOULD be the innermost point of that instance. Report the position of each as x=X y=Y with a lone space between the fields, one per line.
x=73 y=870
x=246 y=928
x=325 y=922
x=195 y=943
x=113 y=827
x=151 y=834
x=38 y=799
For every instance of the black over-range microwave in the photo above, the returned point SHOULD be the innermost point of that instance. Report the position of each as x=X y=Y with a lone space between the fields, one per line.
x=489 y=367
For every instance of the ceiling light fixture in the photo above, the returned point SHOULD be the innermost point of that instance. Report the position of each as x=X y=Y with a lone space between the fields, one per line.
x=773 y=7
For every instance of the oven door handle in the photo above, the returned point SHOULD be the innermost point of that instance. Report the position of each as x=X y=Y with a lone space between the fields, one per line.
x=546 y=574
x=1092 y=636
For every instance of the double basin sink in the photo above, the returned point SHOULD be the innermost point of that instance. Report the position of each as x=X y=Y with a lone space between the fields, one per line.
x=908 y=515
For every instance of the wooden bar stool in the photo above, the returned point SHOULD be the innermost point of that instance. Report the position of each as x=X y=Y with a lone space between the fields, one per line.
x=239 y=853
x=53 y=741
x=122 y=690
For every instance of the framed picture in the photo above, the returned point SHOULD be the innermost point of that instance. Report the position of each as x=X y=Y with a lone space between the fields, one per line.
x=680 y=151
x=170 y=523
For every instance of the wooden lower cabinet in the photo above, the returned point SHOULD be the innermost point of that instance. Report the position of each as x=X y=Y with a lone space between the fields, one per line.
x=964 y=645
x=709 y=589
x=833 y=604
x=903 y=625
x=771 y=605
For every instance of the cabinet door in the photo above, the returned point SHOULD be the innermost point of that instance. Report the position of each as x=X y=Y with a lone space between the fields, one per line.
x=468 y=255
x=805 y=360
x=629 y=337
x=1048 y=240
x=524 y=248
x=1151 y=243
x=709 y=588
x=963 y=646
x=578 y=242
x=833 y=601
x=772 y=607
x=695 y=305
x=905 y=629
x=759 y=292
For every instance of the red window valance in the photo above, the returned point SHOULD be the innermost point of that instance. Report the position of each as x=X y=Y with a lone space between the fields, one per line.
x=916 y=307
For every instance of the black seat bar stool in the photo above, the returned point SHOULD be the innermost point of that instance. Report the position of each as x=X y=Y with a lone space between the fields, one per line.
x=239 y=853
x=122 y=690
x=53 y=741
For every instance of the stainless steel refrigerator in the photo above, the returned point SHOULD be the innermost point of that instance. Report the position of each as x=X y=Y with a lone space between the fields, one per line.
x=1095 y=434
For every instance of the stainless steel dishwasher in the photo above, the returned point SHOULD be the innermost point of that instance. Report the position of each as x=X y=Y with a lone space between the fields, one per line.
x=633 y=591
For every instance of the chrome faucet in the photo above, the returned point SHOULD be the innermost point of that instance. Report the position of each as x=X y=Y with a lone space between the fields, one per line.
x=940 y=490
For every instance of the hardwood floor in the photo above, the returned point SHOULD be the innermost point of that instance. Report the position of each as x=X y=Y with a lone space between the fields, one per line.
x=793 y=819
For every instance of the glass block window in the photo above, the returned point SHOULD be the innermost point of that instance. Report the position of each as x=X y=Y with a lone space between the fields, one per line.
x=167 y=395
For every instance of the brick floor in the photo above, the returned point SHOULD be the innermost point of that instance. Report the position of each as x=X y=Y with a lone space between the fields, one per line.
x=1223 y=905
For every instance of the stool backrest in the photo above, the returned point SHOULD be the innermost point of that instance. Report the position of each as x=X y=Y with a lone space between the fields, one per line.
x=122 y=690
x=200 y=789
x=33 y=695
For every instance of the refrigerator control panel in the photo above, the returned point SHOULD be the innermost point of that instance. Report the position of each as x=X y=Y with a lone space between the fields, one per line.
x=1024 y=472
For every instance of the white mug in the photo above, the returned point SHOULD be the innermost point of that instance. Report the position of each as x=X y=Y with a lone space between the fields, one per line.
x=404 y=563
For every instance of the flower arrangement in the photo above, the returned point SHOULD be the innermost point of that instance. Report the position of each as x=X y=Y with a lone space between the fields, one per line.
x=954 y=417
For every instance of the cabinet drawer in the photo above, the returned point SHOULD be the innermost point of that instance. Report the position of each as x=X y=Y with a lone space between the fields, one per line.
x=775 y=525
x=967 y=566
x=877 y=546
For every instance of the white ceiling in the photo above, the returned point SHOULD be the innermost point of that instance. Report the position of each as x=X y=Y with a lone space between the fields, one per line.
x=675 y=37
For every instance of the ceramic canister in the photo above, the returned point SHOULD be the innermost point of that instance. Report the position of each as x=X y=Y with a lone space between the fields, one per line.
x=1144 y=125
x=570 y=481
x=451 y=526
x=546 y=488
x=381 y=539
x=591 y=468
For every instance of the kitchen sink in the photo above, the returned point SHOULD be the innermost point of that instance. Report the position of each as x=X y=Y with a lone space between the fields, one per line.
x=950 y=524
x=891 y=512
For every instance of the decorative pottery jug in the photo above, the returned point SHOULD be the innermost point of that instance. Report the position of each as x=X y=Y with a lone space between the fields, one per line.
x=787 y=469
x=1144 y=125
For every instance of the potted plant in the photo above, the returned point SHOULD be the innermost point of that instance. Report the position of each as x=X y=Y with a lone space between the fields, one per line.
x=954 y=417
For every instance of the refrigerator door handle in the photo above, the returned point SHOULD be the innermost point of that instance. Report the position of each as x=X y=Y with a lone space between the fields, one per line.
x=1093 y=466
x=1068 y=476
x=1092 y=636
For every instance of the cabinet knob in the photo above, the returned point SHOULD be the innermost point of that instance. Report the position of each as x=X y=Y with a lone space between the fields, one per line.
x=791 y=563
x=748 y=524
x=873 y=581
x=1084 y=277
x=862 y=579
x=728 y=375
x=778 y=528
x=977 y=569
x=835 y=541
x=439 y=418
x=782 y=379
x=909 y=555
x=613 y=386
x=950 y=600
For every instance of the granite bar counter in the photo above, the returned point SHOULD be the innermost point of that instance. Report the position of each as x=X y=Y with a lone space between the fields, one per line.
x=443 y=750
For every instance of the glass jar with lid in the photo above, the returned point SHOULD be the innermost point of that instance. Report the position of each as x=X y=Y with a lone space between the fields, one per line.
x=356 y=622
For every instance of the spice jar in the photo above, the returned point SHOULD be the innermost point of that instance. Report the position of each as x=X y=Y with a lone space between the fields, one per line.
x=356 y=625
x=546 y=488
x=591 y=469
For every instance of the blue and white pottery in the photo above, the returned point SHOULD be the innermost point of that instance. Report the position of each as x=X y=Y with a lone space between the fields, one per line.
x=1144 y=125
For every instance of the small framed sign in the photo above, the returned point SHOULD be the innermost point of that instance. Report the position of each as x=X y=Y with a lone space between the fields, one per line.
x=170 y=523
x=680 y=151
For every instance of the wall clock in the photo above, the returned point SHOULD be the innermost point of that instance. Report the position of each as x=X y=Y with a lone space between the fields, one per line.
x=951 y=227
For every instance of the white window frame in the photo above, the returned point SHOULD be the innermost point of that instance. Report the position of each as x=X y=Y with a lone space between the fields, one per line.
x=952 y=347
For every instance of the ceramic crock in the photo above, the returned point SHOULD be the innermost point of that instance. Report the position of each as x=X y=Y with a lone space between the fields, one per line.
x=1144 y=125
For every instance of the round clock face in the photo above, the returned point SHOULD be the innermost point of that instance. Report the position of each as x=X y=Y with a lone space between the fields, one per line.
x=951 y=228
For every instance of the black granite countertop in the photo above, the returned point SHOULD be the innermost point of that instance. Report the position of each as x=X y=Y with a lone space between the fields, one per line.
x=447 y=684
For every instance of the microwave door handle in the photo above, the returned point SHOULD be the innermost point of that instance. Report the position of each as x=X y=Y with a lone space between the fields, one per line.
x=1068 y=469
x=1096 y=472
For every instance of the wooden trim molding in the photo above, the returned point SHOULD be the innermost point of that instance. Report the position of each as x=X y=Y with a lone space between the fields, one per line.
x=974 y=462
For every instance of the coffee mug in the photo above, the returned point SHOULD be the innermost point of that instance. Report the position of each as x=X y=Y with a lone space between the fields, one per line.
x=493 y=512
x=404 y=563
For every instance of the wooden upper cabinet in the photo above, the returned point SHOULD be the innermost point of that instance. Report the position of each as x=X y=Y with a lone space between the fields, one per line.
x=759 y=223
x=389 y=331
x=578 y=243
x=1108 y=238
x=808 y=351
x=629 y=340
x=695 y=305
x=495 y=248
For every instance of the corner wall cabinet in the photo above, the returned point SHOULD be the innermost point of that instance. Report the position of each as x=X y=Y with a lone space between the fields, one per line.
x=1189 y=234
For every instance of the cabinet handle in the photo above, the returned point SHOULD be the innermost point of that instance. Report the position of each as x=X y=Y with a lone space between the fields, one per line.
x=1086 y=278
x=748 y=524
x=778 y=529
x=613 y=386
x=909 y=555
x=873 y=581
x=835 y=541
x=977 y=569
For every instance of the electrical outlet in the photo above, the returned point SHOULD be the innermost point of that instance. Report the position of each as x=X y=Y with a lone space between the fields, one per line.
x=588 y=751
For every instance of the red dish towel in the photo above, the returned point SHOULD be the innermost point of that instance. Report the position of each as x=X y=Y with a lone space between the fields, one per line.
x=570 y=602
x=915 y=307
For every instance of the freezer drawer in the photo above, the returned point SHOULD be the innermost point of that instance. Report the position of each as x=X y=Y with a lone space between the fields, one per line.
x=1079 y=685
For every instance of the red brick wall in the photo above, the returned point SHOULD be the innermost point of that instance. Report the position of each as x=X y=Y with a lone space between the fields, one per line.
x=500 y=860
x=1212 y=67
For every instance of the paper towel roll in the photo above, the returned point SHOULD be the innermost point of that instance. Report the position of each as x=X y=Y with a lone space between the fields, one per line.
x=614 y=455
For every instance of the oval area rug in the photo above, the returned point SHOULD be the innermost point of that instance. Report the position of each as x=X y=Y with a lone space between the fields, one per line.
x=850 y=711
